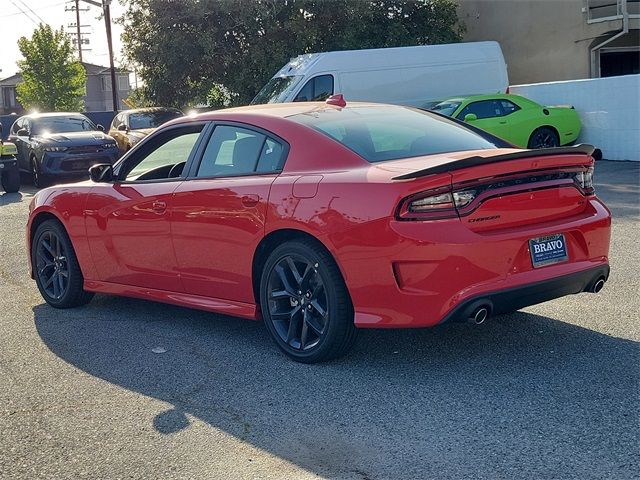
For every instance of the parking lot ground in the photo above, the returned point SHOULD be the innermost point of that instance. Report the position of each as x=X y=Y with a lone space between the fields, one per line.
x=549 y=392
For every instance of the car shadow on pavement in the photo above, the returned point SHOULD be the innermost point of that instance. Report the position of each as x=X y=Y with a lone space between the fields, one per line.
x=522 y=393
x=7 y=198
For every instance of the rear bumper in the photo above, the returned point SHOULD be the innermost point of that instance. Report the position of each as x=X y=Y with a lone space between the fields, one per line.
x=419 y=274
x=512 y=299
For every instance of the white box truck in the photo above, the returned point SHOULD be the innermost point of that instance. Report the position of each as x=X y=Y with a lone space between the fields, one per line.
x=417 y=76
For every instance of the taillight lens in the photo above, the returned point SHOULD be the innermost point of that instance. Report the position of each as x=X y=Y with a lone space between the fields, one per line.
x=585 y=180
x=435 y=204
x=441 y=201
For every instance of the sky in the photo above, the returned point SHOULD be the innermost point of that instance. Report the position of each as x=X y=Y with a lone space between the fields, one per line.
x=15 y=23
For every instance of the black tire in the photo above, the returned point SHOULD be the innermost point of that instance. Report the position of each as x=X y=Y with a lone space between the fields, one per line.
x=11 y=180
x=38 y=179
x=52 y=255
x=308 y=336
x=544 y=137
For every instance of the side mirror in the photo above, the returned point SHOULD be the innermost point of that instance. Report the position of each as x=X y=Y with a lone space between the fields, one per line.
x=0 y=129
x=101 y=173
x=100 y=127
x=123 y=128
x=23 y=132
x=470 y=117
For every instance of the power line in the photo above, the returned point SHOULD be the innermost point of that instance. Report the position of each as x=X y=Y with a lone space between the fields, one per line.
x=40 y=8
x=29 y=8
x=23 y=12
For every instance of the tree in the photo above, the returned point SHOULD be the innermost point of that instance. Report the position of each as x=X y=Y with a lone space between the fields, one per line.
x=185 y=47
x=52 y=79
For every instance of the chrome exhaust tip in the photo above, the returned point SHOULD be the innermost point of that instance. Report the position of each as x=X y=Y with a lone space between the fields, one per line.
x=598 y=285
x=480 y=315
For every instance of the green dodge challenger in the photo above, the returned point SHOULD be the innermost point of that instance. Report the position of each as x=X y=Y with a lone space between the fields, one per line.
x=516 y=119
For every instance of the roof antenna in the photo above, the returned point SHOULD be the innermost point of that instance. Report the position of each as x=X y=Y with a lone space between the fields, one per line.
x=336 y=100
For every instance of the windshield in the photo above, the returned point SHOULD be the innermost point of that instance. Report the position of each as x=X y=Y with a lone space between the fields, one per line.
x=61 y=124
x=446 y=108
x=276 y=90
x=141 y=120
x=385 y=133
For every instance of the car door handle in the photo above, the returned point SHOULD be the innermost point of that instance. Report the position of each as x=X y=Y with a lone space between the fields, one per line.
x=250 y=200
x=159 y=206
x=503 y=123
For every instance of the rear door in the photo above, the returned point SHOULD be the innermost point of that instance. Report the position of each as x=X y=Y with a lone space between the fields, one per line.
x=128 y=220
x=218 y=214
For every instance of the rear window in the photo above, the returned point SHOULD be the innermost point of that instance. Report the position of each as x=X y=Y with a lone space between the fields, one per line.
x=382 y=133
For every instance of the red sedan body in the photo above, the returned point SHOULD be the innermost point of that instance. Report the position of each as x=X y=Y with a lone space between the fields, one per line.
x=202 y=242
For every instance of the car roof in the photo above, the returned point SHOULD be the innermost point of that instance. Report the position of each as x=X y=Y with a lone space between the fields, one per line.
x=487 y=96
x=151 y=109
x=35 y=116
x=284 y=110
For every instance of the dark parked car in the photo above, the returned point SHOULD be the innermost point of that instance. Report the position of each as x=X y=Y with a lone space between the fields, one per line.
x=131 y=126
x=60 y=145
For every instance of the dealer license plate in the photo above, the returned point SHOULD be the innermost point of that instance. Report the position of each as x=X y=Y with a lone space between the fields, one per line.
x=548 y=250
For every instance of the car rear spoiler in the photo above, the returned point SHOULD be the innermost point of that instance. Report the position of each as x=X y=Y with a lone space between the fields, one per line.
x=476 y=160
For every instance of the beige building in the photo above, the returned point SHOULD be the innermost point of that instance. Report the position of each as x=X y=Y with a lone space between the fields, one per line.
x=548 y=40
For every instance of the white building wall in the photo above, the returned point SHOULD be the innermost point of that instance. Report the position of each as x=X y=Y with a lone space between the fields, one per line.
x=608 y=107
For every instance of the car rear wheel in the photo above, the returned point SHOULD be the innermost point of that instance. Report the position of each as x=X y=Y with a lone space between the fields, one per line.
x=544 y=137
x=39 y=180
x=11 y=180
x=305 y=304
x=56 y=268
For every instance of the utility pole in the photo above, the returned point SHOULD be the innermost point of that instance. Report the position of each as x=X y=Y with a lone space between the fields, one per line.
x=81 y=38
x=107 y=22
x=105 y=5
x=78 y=30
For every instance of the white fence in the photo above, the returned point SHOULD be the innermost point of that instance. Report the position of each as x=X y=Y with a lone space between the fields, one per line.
x=608 y=107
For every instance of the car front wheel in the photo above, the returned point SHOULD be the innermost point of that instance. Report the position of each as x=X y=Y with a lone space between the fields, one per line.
x=39 y=180
x=305 y=303
x=56 y=268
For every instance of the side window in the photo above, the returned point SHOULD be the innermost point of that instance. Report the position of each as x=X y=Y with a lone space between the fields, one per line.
x=163 y=157
x=271 y=158
x=116 y=122
x=508 y=107
x=231 y=151
x=317 y=89
x=482 y=109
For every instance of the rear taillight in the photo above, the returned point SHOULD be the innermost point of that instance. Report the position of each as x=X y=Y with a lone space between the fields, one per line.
x=434 y=204
x=585 y=180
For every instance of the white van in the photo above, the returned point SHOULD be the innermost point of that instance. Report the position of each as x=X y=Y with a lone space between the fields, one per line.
x=417 y=76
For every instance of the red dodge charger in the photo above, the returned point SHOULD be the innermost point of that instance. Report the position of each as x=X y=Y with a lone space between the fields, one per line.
x=322 y=218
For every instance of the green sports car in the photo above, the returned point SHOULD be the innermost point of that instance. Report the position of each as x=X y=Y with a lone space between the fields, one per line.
x=516 y=119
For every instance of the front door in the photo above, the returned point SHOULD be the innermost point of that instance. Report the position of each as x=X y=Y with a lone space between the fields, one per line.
x=128 y=221
x=218 y=214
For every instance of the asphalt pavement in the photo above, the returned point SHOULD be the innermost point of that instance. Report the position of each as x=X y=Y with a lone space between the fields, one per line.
x=549 y=392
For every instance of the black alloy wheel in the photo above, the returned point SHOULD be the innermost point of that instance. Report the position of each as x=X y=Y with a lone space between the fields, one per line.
x=297 y=302
x=55 y=266
x=52 y=267
x=543 y=138
x=37 y=178
x=305 y=304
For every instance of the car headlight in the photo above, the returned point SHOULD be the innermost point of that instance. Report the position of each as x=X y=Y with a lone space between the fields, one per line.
x=54 y=149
